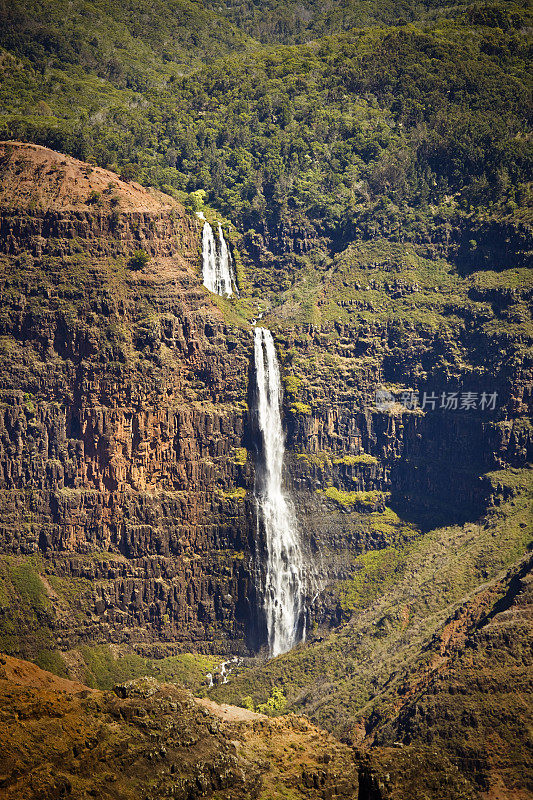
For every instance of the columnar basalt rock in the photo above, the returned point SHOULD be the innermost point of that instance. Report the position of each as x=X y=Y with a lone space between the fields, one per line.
x=125 y=436
x=431 y=461
x=57 y=233
x=123 y=407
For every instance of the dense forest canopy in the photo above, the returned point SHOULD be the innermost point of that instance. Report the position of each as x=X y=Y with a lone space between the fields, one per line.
x=296 y=22
x=408 y=130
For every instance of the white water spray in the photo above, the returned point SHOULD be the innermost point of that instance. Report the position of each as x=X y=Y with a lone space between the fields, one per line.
x=216 y=262
x=285 y=582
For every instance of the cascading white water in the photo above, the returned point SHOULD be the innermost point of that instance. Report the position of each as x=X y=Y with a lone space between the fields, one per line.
x=216 y=262
x=285 y=583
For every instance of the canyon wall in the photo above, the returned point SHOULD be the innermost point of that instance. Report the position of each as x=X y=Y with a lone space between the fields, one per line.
x=127 y=447
x=123 y=412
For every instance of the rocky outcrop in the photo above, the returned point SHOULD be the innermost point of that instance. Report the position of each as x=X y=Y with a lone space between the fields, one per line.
x=126 y=449
x=188 y=748
x=123 y=411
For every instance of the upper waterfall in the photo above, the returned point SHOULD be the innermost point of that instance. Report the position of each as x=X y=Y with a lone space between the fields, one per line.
x=217 y=268
x=285 y=581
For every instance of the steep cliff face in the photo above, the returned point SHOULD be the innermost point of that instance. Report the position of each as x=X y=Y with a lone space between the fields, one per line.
x=382 y=321
x=123 y=408
x=126 y=447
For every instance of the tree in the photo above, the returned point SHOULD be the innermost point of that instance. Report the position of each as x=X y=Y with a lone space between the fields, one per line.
x=139 y=259
x=197 y=199
x=128 y=172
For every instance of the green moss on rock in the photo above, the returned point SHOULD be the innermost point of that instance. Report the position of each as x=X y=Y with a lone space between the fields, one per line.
x=301 y=408
x=362 y=499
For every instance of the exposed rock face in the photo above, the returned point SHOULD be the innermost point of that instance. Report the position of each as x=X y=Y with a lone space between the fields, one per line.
x=126 y=457
x=123 y=405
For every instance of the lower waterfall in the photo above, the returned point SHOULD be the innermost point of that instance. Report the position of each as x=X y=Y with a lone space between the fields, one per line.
x=216 y=262
x=285 y=582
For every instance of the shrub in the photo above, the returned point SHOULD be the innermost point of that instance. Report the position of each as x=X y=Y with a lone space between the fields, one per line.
x=292 y=384
x=128 y=173
x=139 y=259
x=362 y=458
x=237 y=494
x=362 y=499
x=241 y=454
x=94 y=197
x=197 y=199
x=275 y=703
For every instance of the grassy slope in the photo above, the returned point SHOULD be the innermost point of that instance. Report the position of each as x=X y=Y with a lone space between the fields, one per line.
x=400 y=598
x=381 y=280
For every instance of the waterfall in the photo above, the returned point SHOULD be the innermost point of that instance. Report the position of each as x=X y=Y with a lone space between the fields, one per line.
x=285 y=583
x=216 y=262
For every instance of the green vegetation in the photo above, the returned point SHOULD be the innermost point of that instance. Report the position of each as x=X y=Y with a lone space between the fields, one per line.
x=363 y=499
x=397 y=601
x=26 y=616
x=275 y=703
x=72 y=590
x=139 y=259
x=119 y=45
x=301 y=408
x=197 y=199
x=104 y=669
x=29 y=404
x=382 y=281
x=387 y=523
x=291 y=23
x=236 y=494
x=413 y=133
x=273 y=706
x=52 y=661
x=318 y=459
x=351 y=461
x=27 y=583
x=292 y=384
x=241 y=456
x=376 y=571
